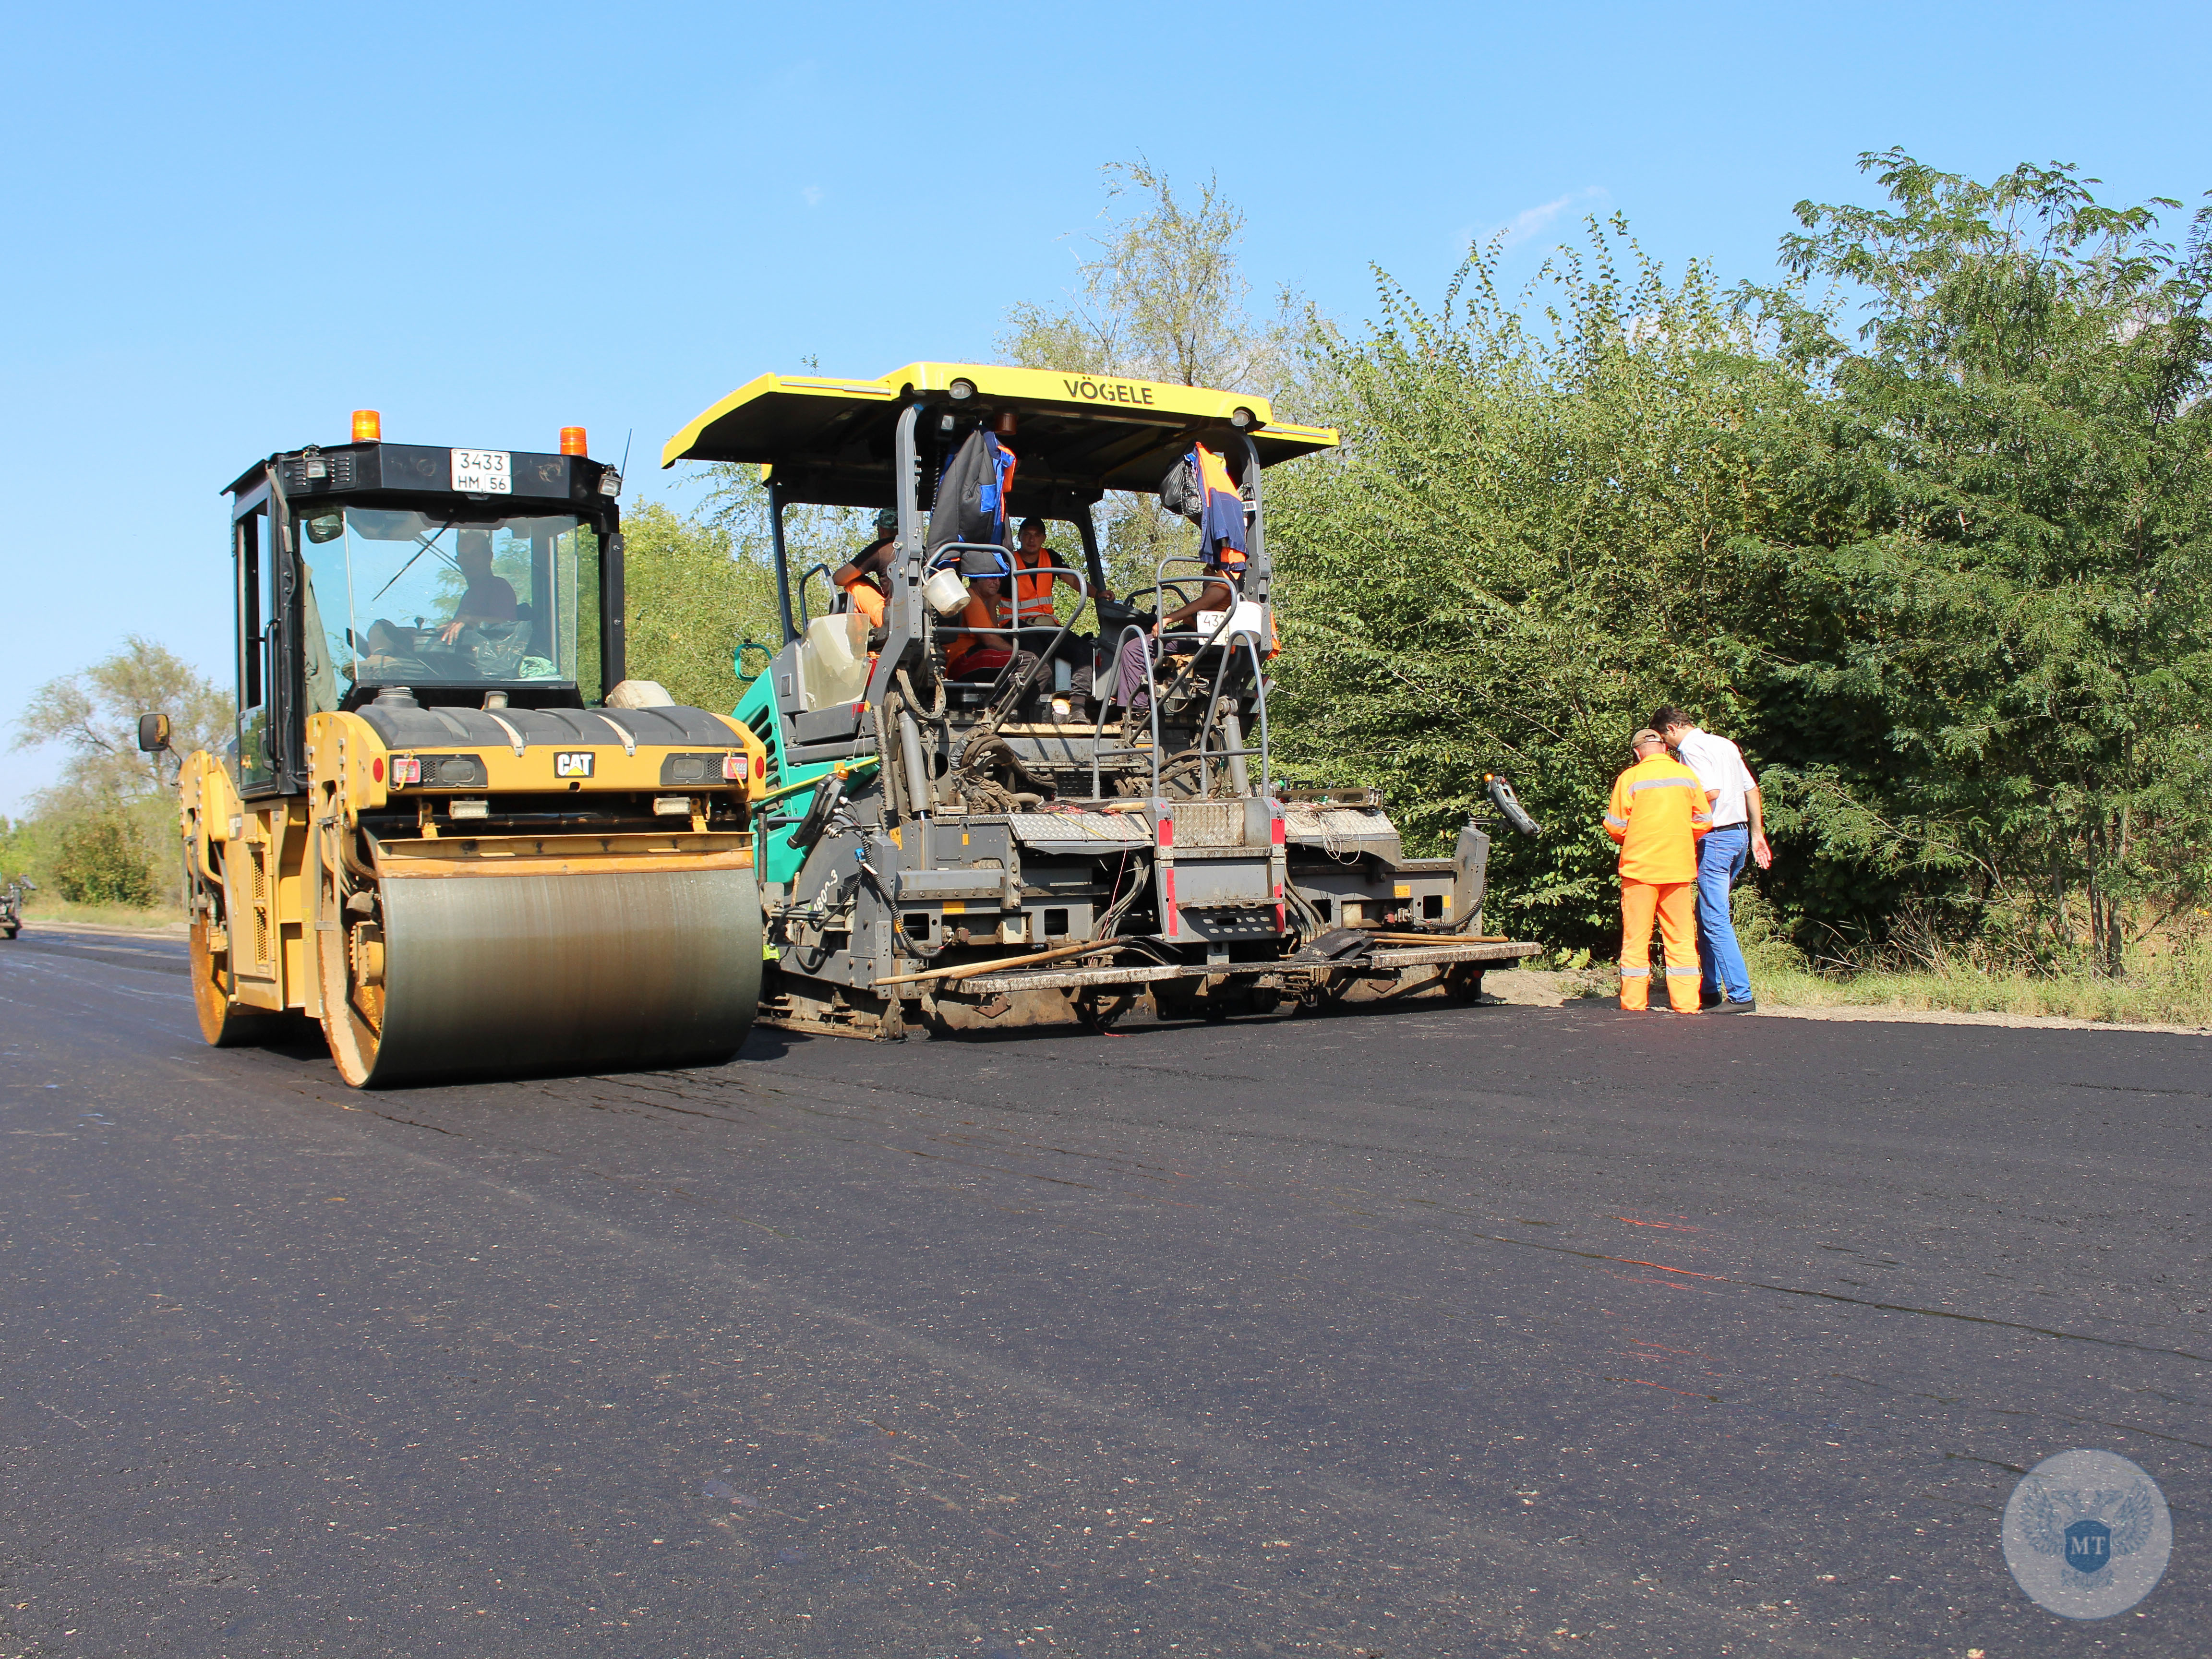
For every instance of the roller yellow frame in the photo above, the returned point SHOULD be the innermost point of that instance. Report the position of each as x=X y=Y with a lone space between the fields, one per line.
x=447 y=830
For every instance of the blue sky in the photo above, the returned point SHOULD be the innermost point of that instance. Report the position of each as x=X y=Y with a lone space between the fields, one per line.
x=234 y=224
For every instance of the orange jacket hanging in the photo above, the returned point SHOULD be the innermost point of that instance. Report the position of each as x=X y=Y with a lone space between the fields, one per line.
x=1221 y=517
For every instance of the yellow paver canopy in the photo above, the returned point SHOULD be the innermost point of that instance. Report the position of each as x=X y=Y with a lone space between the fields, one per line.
x=829 y=441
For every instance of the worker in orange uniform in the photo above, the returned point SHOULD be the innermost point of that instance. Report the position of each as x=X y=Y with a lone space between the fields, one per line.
x=866 y=577
x=1658 y=813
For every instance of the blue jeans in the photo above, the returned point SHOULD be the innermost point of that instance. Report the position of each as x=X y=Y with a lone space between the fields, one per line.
x=1721 y=857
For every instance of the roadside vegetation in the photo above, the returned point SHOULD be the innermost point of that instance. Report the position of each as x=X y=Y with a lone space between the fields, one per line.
x=101 y=842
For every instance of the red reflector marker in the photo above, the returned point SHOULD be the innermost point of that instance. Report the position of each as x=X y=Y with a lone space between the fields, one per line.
x=376 y=769
x=760 y=767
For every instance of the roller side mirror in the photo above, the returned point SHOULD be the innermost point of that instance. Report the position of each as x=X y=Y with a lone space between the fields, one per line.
x=153 y=733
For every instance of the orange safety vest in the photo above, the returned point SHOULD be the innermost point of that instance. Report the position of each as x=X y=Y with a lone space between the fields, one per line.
x=1033 y=595
x=1657 y=813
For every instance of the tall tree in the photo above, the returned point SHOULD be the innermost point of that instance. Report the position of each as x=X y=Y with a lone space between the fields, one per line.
x=94 y=715
x=1160 y=295
x=1995 y=635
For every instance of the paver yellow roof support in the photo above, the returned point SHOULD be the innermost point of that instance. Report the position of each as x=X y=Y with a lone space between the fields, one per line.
x=829 y=441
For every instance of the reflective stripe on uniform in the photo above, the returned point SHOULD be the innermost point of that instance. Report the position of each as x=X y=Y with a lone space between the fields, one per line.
x=1677 y=973
x=1618 y=823
x=1663 y=783
x=1636 y=973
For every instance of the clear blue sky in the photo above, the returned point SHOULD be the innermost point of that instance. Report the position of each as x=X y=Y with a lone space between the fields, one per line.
x=234 y=224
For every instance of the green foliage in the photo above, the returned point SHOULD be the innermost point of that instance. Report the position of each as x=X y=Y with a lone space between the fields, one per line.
x=701 y=584
x=100 y=861
x=694 y=594
x=1946 y=581
x=1991 y=636
x=1521 y=547
x=19 y=853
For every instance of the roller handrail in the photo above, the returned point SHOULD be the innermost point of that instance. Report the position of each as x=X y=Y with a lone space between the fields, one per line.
x=737 y=660
x=1259 y=705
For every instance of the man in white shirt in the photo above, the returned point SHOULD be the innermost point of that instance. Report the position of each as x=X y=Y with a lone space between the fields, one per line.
x=1738 y=834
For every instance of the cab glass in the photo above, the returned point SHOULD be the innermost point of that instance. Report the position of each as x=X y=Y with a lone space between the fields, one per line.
x=395 y=596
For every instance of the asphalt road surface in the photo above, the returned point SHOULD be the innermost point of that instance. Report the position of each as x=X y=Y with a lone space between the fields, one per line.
x=1468 y=1331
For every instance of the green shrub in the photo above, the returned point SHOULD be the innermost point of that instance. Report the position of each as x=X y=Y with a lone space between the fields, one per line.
x=101 y=862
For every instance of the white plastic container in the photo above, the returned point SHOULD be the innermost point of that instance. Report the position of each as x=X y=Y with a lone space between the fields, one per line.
x=945 y=592
x=833 y=661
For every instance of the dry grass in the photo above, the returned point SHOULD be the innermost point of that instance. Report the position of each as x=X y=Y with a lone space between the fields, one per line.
x=162 y=918
x=2166 y=982
x=2174 y=988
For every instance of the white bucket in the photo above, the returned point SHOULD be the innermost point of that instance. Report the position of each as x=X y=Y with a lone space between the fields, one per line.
x=945 y=592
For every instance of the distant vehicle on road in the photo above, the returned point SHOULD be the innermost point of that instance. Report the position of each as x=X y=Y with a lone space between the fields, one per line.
x=11 y=906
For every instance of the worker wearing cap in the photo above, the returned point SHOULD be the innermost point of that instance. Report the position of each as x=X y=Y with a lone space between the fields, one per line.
x=1658 y=813
x=863 y=576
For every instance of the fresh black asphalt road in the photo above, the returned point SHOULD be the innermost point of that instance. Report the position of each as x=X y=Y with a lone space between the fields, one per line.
x=1460 y=1331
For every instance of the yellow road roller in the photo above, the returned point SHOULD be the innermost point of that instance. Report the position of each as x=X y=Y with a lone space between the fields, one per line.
x=448 y=828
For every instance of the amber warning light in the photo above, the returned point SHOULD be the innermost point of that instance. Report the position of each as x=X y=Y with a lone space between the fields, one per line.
x=572 y=441
x=367 y=426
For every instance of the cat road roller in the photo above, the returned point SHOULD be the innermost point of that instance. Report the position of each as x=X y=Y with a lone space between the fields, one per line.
x=1001 y=794
x=446 y=828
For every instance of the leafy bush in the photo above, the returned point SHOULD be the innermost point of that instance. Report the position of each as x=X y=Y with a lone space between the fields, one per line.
x=100 y=861
x=1523 y=546
x=1948 y=580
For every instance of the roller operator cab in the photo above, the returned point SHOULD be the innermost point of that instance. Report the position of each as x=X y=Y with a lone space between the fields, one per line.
x=447 y=829
x=998 y=795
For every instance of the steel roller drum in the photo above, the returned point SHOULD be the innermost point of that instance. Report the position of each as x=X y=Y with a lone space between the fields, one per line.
x=509 y=975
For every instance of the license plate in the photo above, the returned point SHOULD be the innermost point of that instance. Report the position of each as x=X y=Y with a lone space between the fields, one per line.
x=573 y=764
x=482 y=472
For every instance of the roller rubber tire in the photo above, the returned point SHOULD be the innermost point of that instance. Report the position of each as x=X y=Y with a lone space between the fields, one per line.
x=223 y=1023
